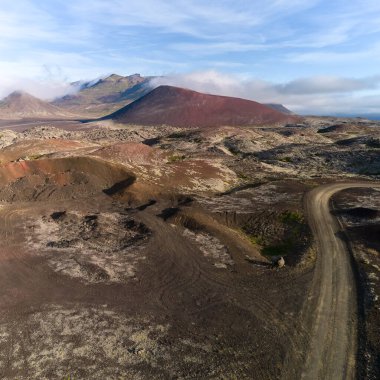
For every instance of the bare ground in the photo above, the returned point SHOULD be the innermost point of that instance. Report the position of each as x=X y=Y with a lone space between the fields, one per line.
x=96 y=288
x=108 y=272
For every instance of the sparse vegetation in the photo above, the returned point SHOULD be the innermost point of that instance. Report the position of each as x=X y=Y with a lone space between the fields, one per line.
x=241 y=175
x=281 y=249
x=257 y=240
x=294 y=229
x=176 y=158
x=292 y=217
x=197 y=140
x=178 y=135
x=286 y=159
x=33 y=157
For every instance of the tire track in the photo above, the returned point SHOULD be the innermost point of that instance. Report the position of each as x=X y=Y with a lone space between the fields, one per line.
x=196 y=279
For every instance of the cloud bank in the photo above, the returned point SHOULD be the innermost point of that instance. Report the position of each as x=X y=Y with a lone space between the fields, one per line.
x=312 y=95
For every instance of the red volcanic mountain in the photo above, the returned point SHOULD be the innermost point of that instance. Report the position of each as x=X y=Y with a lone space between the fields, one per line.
x=185 y=108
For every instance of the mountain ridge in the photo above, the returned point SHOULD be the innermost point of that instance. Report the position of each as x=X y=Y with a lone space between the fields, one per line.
x=102 y=96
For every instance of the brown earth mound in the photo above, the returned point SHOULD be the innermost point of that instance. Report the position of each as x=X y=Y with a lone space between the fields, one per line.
x=64 y=178
x=185 y=108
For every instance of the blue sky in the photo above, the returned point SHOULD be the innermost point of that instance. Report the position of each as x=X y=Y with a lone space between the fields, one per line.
x=315 y=56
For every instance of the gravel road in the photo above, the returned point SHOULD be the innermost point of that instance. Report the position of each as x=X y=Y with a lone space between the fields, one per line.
x=332 y=299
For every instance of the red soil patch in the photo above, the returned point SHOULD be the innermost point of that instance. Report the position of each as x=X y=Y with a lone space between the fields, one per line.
x=185 y=108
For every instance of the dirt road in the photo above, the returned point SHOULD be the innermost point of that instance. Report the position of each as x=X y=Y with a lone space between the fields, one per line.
x=332 y=301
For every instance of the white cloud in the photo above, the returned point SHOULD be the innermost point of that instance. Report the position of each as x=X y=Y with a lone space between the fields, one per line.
x=314 y=95
x=365 y=54
x=47 y=90
x=218 y=47
x=212 y=20
x=45 y=81
x=45 y=74
x=25 y=21
x=326 y=85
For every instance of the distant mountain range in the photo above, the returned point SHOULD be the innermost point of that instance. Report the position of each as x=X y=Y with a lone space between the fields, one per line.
x=132 y=99
x=185 y=108
x=103 y=96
